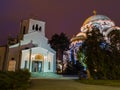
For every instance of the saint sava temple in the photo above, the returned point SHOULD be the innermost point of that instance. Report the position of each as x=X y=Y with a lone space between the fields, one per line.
x=31 y=50
x=101 y=22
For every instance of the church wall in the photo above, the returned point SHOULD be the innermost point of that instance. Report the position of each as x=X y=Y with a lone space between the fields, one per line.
x=46 y=66
x=47 y=62
x=2 y=56
x=14 y=54
x=25 y=57
x=36 y=38
x=24 y=28
x=54 y=63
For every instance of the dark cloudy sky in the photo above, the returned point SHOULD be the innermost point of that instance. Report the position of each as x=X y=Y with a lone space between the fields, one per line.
x=60 y=15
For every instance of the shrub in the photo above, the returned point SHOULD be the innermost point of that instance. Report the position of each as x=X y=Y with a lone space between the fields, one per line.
x=14 y=80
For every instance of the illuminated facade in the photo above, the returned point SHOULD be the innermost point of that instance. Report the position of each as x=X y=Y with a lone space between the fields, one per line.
x=76 y=43
x=103 y=23
x=32 y=50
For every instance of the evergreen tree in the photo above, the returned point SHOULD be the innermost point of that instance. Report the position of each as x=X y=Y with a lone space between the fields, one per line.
x=60 y=43
x=103 y=59
x=94 y=53
x=114 y=54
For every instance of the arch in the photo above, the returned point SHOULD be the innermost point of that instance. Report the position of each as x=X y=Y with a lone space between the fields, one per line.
x=39 y=57
x=33 y=27
x=36 y=27
x=111 y=29
x=40 y=28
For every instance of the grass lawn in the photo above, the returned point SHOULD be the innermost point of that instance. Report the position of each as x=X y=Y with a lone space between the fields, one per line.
x=115 y=83
x=61 y=84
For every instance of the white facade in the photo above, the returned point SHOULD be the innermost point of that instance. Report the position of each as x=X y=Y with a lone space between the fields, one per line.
x=33 y=51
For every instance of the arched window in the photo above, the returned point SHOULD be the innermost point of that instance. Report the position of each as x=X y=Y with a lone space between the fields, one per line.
x=33 y=27
x=49 y=65
x=39 y=57
x=40 y=28
x=36 y=27
x=24 y=28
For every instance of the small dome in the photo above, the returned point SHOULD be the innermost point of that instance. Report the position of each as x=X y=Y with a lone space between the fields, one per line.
x=79 y=36
x=96 y=17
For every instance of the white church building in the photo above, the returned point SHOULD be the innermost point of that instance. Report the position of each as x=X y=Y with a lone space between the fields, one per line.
x=32 y=50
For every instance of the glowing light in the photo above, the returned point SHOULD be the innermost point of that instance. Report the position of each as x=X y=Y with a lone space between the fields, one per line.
x=94 y=12
x=39 y=57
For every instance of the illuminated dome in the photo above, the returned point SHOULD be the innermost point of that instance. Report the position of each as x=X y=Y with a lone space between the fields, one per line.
x=96 y=17
x=96 y=22
x=79 y=36
x=101 y=22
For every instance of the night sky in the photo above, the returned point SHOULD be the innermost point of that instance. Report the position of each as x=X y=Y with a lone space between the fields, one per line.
x=60 y=15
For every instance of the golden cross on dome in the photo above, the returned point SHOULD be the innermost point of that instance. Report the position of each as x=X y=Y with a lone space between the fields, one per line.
x=94 y=12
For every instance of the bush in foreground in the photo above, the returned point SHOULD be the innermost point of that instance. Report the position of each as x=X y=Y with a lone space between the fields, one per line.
x=14 y=80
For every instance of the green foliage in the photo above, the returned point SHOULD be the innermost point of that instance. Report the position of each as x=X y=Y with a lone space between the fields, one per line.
x=94 y=53
x=14 y=80
x=59 y=42
x=114 y=37
x=70 y=69
x=114 y=54
x=81 y=57
x=103 y=63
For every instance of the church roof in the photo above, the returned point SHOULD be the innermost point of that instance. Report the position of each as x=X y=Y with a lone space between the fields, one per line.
x=79 y=36
x=96 y=17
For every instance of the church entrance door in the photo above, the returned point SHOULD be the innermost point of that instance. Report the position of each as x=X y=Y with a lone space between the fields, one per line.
x=37 y=66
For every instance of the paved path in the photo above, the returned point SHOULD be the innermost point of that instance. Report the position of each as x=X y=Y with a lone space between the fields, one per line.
x=55 y=84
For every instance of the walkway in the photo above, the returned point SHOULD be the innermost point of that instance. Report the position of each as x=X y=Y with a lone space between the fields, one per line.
x=61 y=84
x=49 y=75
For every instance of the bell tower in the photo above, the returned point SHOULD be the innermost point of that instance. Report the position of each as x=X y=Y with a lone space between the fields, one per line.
x=30 y=26
x=24 y=26
x=36 y=26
